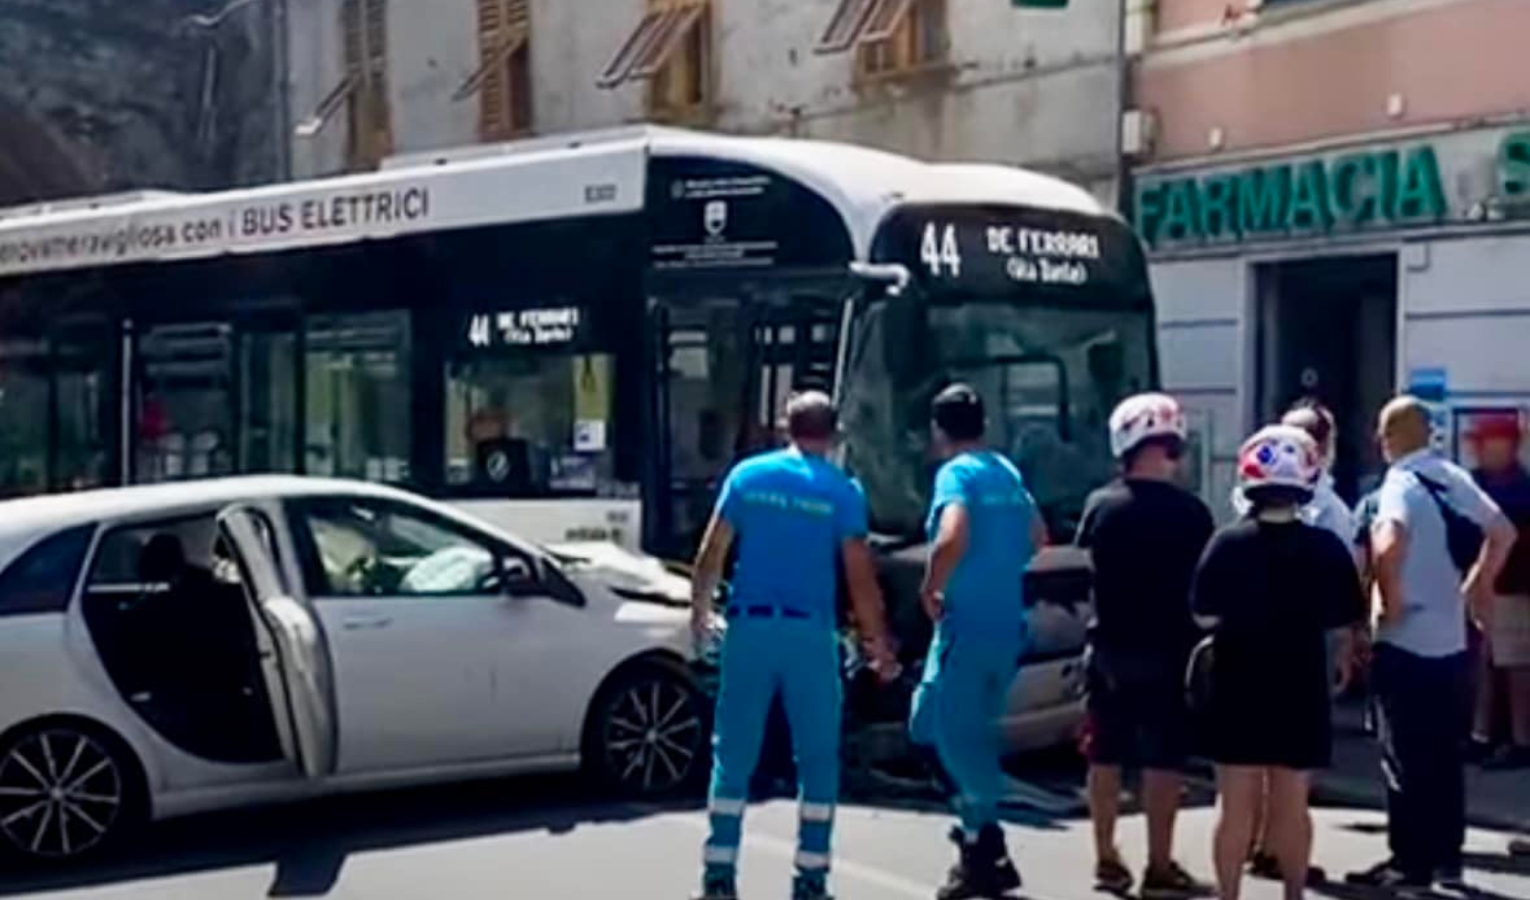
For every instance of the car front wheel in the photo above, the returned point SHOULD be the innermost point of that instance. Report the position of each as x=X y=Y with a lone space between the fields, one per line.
x=649 y=732
x=66 y=791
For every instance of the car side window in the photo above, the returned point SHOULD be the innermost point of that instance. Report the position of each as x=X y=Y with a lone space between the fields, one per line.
x=43 y=577
x=366 y=548
x=151 y=557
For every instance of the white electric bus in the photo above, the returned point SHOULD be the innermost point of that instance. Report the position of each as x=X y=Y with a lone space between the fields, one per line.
x=575 y=336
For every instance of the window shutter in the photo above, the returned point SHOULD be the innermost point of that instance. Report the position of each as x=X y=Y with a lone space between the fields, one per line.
x=846 y=25
x=351 y=38
x=500 y=22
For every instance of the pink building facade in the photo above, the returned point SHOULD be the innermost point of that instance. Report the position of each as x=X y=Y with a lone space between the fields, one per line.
x=1335 y=195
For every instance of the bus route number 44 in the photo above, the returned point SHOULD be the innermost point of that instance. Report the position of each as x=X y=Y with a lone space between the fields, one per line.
x=939 y=250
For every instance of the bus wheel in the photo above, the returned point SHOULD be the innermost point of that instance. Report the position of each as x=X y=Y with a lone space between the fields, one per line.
x=649 y=732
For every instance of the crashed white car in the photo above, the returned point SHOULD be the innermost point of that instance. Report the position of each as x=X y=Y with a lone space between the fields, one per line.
x=179 y=648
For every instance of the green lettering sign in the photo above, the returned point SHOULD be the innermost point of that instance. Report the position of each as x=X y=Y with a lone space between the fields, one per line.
x=1367 y=189
x=1219 y=207
x=1421 y=196
x=1148 y=209
x=1181 y=220
x=1309 y=198
x=1263 y=195
x=1355 y=189
x=1514 y=166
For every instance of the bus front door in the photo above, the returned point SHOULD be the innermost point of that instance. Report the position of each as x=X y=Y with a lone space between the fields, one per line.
x=724 y=368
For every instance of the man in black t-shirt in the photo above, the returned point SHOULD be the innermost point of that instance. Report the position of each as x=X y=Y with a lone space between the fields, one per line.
x=1145 y=535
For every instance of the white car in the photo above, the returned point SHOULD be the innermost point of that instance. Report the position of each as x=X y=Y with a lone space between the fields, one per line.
x=179 y=648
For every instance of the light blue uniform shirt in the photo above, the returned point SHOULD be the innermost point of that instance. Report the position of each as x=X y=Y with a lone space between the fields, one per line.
x=790 y=512
x=1433 y=622
x=985 y=595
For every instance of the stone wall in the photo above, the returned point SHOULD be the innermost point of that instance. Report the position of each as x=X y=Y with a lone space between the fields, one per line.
x=111 y=95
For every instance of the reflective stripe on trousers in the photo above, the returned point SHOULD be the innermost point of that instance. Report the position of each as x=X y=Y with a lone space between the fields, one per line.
x=760 y=657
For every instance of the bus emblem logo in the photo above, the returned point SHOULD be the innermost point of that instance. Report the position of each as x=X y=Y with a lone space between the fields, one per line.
x=715 y=217
x=498 y=466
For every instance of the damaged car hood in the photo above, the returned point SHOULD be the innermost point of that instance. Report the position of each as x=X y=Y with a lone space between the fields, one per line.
x=631 y=576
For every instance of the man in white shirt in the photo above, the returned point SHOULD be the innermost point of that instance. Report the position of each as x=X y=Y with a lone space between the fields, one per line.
x=1420 y=672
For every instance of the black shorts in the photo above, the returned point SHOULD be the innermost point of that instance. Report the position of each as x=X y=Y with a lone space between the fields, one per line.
x=1136 y=712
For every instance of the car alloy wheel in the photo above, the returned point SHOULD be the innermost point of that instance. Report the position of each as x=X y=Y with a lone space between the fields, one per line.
x=653 y=735
x=62 y=792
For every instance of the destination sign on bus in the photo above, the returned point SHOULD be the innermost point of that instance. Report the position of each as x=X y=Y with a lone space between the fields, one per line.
x=524 y=327
x=1000 y=250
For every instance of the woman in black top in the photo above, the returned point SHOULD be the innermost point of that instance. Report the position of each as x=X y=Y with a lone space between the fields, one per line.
x=1270 y=588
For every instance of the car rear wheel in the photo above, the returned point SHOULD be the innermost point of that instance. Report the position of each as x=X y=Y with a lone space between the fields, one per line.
x=66 y=791
x=649 y=732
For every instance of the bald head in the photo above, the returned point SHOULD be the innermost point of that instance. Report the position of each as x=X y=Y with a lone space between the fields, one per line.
x=1403 y=426
x=811 y=419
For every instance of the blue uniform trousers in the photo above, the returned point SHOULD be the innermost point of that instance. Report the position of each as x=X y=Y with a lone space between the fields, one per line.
x=956 y=710
x=763 y=652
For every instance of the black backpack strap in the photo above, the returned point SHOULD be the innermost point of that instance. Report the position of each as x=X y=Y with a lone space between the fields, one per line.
x=1438 y=492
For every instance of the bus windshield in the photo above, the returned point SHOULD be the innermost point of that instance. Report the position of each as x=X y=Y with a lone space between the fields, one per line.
x=1049 y=376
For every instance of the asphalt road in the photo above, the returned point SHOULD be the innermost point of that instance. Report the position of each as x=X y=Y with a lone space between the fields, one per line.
x=536 y=839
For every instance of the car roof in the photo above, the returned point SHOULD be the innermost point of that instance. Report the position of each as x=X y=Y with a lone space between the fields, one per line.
x=26 y=518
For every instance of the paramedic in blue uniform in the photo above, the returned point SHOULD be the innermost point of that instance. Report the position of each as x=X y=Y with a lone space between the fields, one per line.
x=794 y=517
x=984 y=527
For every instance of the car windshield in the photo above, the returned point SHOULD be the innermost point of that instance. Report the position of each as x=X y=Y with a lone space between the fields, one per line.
x=1049 y=376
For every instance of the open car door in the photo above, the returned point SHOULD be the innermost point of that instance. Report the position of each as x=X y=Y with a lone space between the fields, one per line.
x=293 y=657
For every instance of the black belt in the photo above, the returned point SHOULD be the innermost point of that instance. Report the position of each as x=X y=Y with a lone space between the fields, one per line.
x=766 y=612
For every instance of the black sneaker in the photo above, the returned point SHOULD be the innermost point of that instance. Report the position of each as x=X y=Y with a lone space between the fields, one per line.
x=1519 y=847
x=1173 y=883
x=1451 y=878
x=983 y=868
x=717 y=887
x=1388 y=876
x=1113 y=877
x=1002 y=876
x=810 y=887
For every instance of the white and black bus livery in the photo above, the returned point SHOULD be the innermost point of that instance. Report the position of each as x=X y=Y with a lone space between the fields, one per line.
x=576 y=336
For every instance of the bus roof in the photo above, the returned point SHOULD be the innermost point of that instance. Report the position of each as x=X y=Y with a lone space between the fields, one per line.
x=581 y=174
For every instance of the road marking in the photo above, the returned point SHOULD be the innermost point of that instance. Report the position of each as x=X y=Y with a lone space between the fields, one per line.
x=881 y=878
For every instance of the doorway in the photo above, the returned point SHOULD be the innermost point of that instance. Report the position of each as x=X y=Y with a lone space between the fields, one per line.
x=1327 y=329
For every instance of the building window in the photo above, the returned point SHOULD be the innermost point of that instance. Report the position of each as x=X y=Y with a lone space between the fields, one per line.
x=364 y=26
x=358 y=396
x=889 y=37
x=671 y=49
x=502 y=81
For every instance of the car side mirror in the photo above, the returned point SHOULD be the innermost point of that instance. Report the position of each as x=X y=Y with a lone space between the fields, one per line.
x=517 y=577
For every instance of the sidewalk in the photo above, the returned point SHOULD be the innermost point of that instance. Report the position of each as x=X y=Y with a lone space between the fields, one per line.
x=1498 y=800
